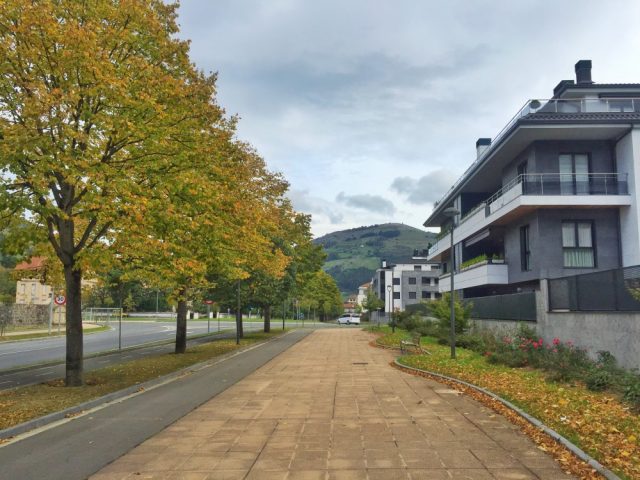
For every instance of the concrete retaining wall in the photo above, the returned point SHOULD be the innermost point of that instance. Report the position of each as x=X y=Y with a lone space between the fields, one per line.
x=615 y=332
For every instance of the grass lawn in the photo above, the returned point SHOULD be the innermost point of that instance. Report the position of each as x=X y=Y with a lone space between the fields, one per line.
x=25 y=403
x=597 y=422
x=54 y=333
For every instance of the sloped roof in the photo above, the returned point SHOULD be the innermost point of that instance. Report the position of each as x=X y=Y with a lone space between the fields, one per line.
x=34 y=263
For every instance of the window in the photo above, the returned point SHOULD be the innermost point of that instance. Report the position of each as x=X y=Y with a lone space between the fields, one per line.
x=426 y=295
x=574 y=174
x=412 y=295
x=396 y=281
x=412 y=280
x=396 y=295
x=425 y=280
x=436 y=280
x=525 y=249
x=578 y=244
x=417 y=268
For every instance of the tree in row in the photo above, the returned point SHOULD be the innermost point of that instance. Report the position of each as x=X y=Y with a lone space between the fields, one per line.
x=115 y=152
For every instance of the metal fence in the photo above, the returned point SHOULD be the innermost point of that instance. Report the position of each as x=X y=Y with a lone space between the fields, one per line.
x=520 y=307
x=615 y=290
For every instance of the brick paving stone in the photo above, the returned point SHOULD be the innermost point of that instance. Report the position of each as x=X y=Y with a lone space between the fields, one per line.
x=332 y=408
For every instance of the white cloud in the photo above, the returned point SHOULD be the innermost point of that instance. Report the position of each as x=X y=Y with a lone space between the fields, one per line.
x=350 y=96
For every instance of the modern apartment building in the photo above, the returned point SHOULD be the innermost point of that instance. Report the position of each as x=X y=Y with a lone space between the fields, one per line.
x=555 y=193
x=406 y=283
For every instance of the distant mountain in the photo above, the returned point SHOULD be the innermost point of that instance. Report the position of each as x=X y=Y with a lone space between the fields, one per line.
x=354 y=255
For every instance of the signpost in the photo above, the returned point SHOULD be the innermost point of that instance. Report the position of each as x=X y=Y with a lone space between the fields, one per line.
x=59 y=300
x=209 y=302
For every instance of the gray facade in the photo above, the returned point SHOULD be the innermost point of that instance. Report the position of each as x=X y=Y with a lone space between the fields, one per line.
x=545 y=234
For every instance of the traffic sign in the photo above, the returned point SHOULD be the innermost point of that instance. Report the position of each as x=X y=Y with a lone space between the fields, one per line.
x=209 y=302
x=60 y=300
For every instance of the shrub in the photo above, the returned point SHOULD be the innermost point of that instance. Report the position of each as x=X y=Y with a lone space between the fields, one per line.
x=441 y=309
x=599 y=379
x=632 y=393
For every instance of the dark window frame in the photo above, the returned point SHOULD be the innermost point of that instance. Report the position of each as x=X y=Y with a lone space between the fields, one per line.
x=525 y=248
x=426 y=295
x=413 y=281
x=396 y=295
x=396 y=281
x=413 y=296
x=593 y=247
x=574 y=185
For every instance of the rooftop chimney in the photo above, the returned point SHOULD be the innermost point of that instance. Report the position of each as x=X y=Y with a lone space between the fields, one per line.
x=384 y=264
x=583 y=72
x=482 y=144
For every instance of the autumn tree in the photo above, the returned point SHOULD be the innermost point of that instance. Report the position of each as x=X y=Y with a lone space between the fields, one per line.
x=97 y=100
x=210 y=224
x=321 y=293
x=294 y=240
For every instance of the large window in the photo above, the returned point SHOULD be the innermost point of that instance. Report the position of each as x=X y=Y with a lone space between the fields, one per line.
x=525 y=249
x=412 y=295
x=578 y=245
x=574 y=174
x=412 y=280
x=396 y=295
x=426 y=295
x=396 y=281
x=426 y=280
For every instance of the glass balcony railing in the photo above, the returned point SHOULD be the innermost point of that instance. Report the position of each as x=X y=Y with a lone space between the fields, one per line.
x=547 y=184
x=564 y=184
x=541 y=108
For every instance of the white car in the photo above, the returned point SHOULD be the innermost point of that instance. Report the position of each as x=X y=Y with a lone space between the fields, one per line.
x=349 y=319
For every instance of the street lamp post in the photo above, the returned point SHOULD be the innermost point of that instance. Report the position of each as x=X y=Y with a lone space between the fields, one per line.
x=452 y=212
x=389 y=297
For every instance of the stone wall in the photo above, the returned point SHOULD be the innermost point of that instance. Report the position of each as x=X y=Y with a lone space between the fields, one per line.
x=18 y=314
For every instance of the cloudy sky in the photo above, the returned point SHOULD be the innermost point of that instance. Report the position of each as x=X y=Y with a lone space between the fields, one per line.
x=371 y=108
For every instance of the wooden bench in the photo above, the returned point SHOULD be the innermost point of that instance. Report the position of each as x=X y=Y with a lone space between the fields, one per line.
x=412 y=344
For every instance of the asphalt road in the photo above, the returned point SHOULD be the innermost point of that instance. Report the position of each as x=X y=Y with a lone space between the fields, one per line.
x=29 y=352
x=51 y=350
x=81 y=446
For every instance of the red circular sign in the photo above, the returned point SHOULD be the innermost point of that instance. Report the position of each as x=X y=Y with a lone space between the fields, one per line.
x=60 y=299
x=208 y=302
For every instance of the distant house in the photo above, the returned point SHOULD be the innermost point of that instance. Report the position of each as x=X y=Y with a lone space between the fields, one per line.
x=350 y=304
x=362 y=293
x=30 y=289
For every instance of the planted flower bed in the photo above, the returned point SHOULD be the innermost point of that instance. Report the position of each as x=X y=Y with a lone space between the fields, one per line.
x=551 y=385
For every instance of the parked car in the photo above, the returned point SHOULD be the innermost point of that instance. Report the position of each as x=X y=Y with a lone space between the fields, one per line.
x=349 y=319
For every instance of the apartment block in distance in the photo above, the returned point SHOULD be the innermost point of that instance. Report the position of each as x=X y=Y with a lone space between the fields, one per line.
x=406 y=283
x=556 y=193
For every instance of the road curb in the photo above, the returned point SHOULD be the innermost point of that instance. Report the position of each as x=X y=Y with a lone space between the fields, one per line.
x=582 y=455
x=77 y=410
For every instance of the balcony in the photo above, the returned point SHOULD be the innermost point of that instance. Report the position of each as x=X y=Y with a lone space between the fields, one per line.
x=478 y=274
x=529 y=191
x=554 y=109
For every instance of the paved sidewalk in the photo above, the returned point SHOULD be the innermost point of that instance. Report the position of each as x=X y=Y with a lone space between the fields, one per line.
x=331 y=407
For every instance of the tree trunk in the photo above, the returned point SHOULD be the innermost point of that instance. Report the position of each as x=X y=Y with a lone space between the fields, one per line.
x=181 y=325
x=267 y=318
x=239 y=323
x=239 y=329
x=73 y=316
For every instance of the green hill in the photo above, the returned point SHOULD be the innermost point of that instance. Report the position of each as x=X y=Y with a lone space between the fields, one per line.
x=353 y=255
